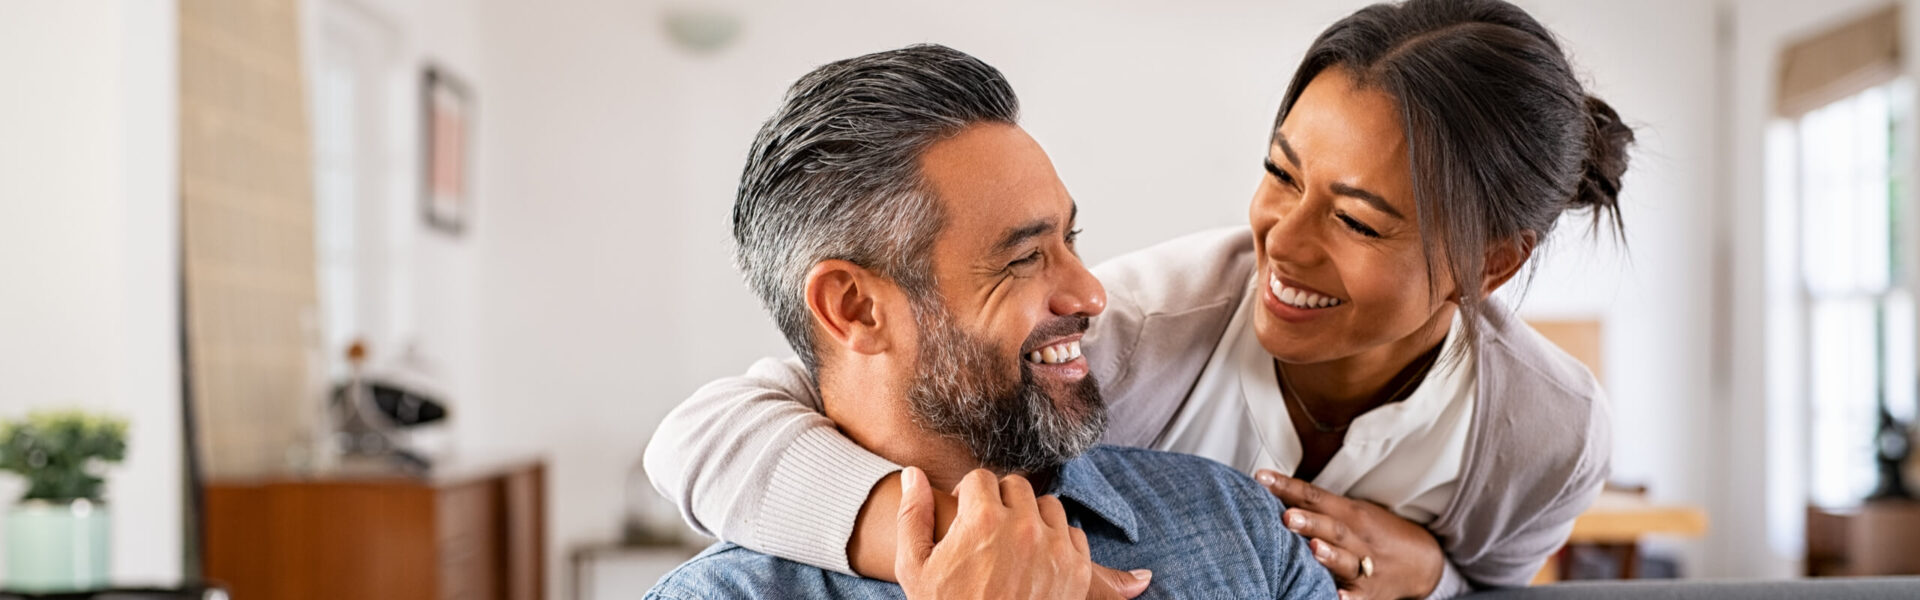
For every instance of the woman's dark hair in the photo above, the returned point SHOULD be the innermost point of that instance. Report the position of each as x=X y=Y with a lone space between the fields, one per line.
x=1501 y=136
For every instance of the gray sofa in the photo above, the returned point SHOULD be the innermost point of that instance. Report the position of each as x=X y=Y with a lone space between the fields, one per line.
x=1862 y=588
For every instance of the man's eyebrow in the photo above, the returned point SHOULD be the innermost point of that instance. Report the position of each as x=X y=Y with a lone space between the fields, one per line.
x=1372 y=199
x=1014 y=237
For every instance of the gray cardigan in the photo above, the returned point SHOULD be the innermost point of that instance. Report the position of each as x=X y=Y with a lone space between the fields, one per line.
x=753 y=459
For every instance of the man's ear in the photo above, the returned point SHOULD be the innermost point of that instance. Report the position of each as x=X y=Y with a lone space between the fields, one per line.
x=850 y=304
x=1504 y=260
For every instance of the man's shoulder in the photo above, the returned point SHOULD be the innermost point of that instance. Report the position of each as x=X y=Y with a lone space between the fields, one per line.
x=1109 y=455
x=727 y=570
x=1213 y=525
x=717 y=568
x=1140 y=472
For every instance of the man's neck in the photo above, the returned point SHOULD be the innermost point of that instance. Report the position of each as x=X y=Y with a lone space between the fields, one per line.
x=874 y=413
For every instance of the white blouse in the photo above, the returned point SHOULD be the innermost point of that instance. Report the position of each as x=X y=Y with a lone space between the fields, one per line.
x=1405 y=456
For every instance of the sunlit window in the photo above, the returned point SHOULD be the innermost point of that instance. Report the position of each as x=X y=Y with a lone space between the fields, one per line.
x=334 y=205
x=349 y=89
x=1859 y=305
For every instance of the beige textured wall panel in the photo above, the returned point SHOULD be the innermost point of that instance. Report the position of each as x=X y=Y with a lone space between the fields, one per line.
x=247 y=231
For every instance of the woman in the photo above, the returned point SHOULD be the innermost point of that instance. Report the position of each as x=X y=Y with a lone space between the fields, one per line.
x=1422 y=152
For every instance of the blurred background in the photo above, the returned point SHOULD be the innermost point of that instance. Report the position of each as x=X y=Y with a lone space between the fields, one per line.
x=518 y=212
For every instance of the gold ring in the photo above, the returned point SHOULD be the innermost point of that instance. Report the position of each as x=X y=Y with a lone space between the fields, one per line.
x=1366 y=567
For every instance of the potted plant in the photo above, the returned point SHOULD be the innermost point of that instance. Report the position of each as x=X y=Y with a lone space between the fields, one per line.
x=57 y=535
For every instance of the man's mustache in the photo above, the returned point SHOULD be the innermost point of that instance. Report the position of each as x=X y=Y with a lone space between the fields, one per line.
x=1054 y=329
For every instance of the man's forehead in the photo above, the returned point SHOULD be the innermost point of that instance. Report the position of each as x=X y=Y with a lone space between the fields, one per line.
x=993 y=180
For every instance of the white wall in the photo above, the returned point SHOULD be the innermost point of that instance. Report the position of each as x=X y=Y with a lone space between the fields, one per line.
x=610 y=157
x=88 y=246
x=1656 y=295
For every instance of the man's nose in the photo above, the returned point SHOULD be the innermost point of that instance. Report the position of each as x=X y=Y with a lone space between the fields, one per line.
x=1079 y=292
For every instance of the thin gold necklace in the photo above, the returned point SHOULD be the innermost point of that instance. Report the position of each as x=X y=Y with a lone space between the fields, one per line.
x=1287 y=390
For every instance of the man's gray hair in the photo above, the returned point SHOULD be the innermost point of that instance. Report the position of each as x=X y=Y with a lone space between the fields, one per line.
x=835 y=174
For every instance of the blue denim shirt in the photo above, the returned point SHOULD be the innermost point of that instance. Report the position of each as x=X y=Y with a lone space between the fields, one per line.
x=1205 y=530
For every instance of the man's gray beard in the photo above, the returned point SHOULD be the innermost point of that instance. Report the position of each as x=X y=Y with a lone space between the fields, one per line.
x=1011 y=426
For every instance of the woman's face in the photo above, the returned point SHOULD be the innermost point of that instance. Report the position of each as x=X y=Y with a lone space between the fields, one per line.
x=1337 y=236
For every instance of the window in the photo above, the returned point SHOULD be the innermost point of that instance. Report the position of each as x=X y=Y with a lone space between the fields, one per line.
x=1853 y=248
x=350 y=98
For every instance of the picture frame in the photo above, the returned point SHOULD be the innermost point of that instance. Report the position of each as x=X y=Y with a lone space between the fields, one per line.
x=446 y=161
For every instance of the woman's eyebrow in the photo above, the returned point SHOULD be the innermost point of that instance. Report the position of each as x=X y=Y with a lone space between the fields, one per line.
x=1374 y=200
x=1280 y=139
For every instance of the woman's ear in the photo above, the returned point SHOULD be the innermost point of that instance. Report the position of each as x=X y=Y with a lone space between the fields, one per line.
x=1504 y=260
x=849 y=306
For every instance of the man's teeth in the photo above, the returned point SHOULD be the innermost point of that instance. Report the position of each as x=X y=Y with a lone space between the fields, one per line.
x=1299 y=298
x=1055 y=354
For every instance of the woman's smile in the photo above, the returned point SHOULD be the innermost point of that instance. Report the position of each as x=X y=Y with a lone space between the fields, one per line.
x=1294 y=302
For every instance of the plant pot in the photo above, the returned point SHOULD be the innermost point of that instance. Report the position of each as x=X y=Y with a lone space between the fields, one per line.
x=56 y=546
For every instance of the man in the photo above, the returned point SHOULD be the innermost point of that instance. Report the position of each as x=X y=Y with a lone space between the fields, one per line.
x=916 y=248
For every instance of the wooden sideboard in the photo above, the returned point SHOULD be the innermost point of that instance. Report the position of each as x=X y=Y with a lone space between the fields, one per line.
x=465 y=534
x=1880 y=537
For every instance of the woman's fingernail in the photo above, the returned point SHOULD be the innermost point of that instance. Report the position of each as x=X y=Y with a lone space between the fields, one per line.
x=1321 y=550
x=1296 y=522
x=1264 y=477
x=909 y=480
x=1141 y=574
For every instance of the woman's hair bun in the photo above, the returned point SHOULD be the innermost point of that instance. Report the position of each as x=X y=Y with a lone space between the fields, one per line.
x=1607 y=141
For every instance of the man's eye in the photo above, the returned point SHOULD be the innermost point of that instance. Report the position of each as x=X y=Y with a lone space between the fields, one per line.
x=1028 y=260
x=1072 y=236
x=1358 y=227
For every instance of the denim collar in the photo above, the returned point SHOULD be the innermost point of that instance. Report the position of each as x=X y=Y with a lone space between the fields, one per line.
x=1081 y=482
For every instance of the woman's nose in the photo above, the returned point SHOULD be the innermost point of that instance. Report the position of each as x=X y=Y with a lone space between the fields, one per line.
x=1294 y=238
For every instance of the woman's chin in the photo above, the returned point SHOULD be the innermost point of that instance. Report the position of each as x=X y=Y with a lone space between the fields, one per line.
x=1284 y=341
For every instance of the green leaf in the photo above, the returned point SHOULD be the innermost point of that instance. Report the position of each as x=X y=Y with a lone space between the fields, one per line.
x=56 y=450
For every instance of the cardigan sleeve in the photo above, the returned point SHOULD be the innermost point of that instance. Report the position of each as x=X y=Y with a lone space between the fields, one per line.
x=1540 y=462
x=1523 y=552
x=1452 y=584
x=752 y=460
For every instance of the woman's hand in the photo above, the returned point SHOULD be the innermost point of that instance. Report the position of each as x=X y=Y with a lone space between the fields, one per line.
x=1406 y=561
x=1003 y=543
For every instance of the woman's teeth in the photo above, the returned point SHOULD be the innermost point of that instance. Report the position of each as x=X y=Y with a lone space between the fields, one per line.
x=1299 y=298
x=1055 y=354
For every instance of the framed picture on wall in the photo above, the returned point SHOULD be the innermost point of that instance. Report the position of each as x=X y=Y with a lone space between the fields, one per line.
x=446 y=151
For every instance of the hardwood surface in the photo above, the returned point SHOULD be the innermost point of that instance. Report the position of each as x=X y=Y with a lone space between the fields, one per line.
x=1618 y=518
x=476 y=536
x=1879 y=537
x=1617 y=521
